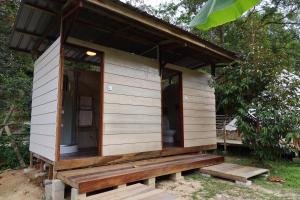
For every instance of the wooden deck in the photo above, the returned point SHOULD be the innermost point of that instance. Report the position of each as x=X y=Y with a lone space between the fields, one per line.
x=134 y=192
x=233 y=171
x=96 y=178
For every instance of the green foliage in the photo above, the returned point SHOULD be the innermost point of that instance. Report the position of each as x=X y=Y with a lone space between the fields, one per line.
x=215 y=13
x=16 y=71
x=277 y=116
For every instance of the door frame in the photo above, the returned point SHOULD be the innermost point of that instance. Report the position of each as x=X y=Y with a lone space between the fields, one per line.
x=180 y=93
x=60 y=100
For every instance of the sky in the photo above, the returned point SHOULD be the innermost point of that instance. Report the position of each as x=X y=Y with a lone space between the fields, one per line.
x=156 y=2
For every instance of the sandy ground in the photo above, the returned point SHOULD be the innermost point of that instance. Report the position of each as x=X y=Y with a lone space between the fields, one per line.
x=183 y=189
x=14 y=185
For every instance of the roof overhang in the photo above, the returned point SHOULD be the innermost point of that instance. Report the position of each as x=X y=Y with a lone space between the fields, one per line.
x=113 y=24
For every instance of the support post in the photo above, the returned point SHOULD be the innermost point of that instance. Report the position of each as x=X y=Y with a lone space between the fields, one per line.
x=120 y=186
x=160 y=62
x=150 y=182
x=76 y=196
x=225 y=135
x=213 y=69
x=54 y=189
x=176 y=177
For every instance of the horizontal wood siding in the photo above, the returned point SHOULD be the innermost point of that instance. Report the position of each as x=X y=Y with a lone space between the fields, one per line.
x=44 y=102
x=199 y=115
x=132 y=104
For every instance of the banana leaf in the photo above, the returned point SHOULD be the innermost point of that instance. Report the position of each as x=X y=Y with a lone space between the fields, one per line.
x=218 y=12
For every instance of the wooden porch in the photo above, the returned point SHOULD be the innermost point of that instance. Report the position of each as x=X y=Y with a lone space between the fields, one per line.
x=97 y=178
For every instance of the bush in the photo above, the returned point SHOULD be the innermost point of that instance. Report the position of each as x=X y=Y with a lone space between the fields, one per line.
x=276 y=115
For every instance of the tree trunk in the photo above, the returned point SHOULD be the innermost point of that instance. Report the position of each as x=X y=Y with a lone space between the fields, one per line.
x=15 y=147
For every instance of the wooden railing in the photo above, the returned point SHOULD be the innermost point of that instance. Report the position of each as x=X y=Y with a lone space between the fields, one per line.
x=227 y=137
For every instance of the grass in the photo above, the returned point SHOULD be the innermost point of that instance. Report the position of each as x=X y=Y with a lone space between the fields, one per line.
x=289 y=171
x=212 y=187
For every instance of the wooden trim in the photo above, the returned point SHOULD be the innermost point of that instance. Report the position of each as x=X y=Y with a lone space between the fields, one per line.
x=101 y=107
x=105 y=160
x=159 y=25
x=59 y=104
x=101 y=93
x=181 y=118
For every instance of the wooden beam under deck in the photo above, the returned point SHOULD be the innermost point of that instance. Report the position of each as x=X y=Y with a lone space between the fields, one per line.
x=96 y=178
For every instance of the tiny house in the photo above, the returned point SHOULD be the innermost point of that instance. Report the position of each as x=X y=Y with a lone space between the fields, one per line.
x=114 y=84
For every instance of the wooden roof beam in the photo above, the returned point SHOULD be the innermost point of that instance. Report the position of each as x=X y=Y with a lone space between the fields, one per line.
x=158 y=25
x=115 y=33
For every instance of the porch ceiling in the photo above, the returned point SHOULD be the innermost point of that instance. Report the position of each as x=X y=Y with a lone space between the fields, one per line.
x=113 y=24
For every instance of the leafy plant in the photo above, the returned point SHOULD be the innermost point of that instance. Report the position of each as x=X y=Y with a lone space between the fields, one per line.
x=276 y=116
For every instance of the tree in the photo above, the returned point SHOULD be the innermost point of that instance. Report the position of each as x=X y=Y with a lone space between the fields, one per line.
x=15 y=90
x=276 y=117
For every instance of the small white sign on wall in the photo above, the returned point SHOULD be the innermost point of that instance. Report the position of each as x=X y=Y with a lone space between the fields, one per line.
x=109 y=87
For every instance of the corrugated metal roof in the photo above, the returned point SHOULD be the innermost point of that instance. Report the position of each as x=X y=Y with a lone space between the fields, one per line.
x=32 y=21
x=38 y=23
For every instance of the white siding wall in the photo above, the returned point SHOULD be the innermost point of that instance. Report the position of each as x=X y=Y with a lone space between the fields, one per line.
x=132 y=108
x=44 y=102
x=199 y=115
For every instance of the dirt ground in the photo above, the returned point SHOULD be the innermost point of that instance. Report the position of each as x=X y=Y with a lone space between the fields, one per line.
x=14 y=185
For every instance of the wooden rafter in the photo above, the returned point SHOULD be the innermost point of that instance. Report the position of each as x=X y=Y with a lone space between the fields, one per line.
x=115 y=33
x=156 y=25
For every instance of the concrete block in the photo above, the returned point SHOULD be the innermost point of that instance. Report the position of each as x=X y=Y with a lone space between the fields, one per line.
x=176 y=176
x=246 y=184
x=76 y=196
x=120 y=186
x=150 y=182
x=54 y=189
x=28 y=170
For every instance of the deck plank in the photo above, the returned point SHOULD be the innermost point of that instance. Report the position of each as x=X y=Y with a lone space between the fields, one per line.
x=95 y=178
x=134 y=192
x=233 y=171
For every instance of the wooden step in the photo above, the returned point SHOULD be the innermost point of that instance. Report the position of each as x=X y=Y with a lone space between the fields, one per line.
x=233 y=171
x=134 y=192
x=96 y=178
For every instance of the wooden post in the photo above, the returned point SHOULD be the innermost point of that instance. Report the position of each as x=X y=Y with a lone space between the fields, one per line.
x=30 y=160
x=225 y=134
x=213 y=70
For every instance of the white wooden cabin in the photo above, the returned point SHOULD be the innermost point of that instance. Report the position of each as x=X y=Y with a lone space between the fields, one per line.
x=112 y=83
